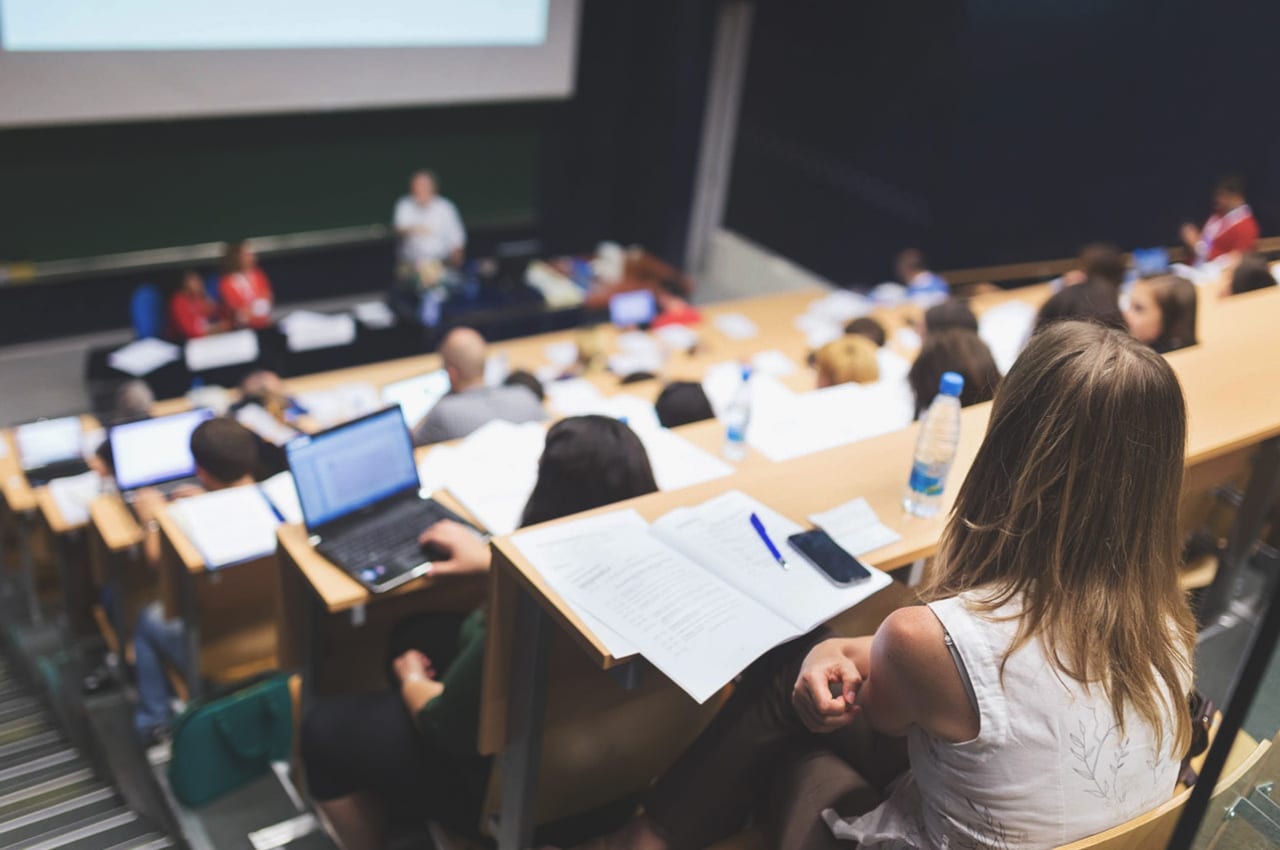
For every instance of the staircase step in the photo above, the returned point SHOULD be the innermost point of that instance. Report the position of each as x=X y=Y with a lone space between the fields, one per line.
x=146 y=841
x=22 y=726
x=68 y=825
x=65 y=811
x=21 y=745
x=18 y=803
x=24 y=754
x=62 y=757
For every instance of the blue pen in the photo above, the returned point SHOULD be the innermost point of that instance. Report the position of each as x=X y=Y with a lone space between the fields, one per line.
x=764 y=535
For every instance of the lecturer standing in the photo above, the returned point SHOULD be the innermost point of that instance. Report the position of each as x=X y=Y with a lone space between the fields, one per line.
x=428 y=225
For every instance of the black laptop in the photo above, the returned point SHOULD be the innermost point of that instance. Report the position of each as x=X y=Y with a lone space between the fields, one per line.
x=359 y=491
x=51 y=448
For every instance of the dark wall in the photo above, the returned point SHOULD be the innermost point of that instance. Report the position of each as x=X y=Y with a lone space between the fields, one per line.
x=995 y=131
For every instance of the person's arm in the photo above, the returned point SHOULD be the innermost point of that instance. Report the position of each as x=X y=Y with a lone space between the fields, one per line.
x=457 y=237
x=453 y=718
x=147 y=505
x=1190 y=236
x=466 y=552
x=418 y=685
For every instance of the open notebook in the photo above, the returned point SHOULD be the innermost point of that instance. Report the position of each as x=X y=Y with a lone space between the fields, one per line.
x=696 y=592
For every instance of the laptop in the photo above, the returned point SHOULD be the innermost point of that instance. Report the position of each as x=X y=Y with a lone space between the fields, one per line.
x=416 y=396
x=359 y=492
x=156 y=452
x=1150 y=262
x=51 y=448
x=632 y=309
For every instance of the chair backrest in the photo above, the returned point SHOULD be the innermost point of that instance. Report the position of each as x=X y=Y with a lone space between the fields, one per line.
x=146 y=310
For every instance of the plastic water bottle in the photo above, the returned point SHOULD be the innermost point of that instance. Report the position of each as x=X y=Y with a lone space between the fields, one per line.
x=935 y=449
x=737 y=416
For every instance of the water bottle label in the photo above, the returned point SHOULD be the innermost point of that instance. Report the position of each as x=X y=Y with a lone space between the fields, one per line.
x=924 y=482
x=736 y=434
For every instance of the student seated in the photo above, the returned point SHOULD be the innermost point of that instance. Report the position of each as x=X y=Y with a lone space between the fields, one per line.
x=226 y=455
x=1253 y=272
x=267 y=390
x=528 y=380
x=470 y=403
x=1162 y=313
x=868 y=327
x=245 y=290
x=1041 y=689
x=1091 y=301
x=954 y=350
x=1231 y=229
x=952 y=313
x=1100 y=261
x=407 y=755
x=192 y=313
x=682 y=402
x=914 y=272
x=850 y=359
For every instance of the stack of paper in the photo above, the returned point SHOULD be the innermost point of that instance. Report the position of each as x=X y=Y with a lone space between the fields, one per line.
x=677 y=337
x=340 y=404
x=143 y=356
x=1005 y=329
x=228 y=526
x=282 y=493
x=256 y=418
x=73 y=496
x=697 y=593
x=307 y=331
x=826 y=418
x=374 y=314
x=736 y=326
x=557 y=290
x=773 y=363
x=637 y=352
x=562 y=354
x=218 y=350
x=678 y=463
x=855 y=527
x=492 y=472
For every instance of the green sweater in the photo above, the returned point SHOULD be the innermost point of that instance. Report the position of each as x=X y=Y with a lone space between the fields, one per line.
x=452 y=720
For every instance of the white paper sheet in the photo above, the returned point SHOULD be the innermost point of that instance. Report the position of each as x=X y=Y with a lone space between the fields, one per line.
x=692 y=626
x=818 y=330
x=226 y=349
x=678 y=463
x=855 y=526
x=893 y=367
x=840 y=307
x=281 y=491
x=718 y=535
x=574 y=397
x=416 y=396
x=259 y=421
x=143 y=356
x=374 y=314
x=496 y=369
x=307 y=331
x=908 y=339
x=495 y=470
x=341 y=403
x=633 y=410
x=736 y=326
x=677 y=337
x=773 y=363
x=823 y=419
x=1005 y=329
x=73 y=496
x=562 y=354
x=228 y=526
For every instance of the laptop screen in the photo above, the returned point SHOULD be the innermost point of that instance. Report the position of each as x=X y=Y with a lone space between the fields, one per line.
x=416 y=396
x=154 y=451
x=48 y=441
x=1150 y=262
x=352 y=466
x=632 y=308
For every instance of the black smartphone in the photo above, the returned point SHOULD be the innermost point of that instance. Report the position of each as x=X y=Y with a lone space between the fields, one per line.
x=819 y=549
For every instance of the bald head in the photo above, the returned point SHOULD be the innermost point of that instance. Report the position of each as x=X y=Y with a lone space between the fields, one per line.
x=463 y=354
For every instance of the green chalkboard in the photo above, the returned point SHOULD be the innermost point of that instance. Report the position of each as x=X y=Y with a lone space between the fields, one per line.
x=83 y=191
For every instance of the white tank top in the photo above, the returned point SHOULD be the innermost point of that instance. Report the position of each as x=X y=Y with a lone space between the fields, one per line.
x=1049 y=765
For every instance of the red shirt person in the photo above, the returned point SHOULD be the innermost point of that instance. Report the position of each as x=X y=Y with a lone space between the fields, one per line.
x=244 y=288
x=1231 y=229
x=192 y=313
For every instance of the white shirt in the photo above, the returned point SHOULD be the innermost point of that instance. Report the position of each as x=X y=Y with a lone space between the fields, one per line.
x=1049 y=765
x=444 y=232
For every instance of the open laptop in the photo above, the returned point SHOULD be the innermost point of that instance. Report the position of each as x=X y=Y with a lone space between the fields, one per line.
x=632 y=309
x=416 y=396
x=359 y=492
x=1151 y=262
x=50 y=448
x=156 y=452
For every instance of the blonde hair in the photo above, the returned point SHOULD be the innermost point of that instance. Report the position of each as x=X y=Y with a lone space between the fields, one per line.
x=1071 y=505
x=850 y=359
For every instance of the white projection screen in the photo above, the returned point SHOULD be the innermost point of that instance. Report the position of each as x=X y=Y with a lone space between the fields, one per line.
x=80 y=61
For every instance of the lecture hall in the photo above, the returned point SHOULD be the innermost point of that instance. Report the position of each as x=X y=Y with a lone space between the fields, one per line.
x=639 y=425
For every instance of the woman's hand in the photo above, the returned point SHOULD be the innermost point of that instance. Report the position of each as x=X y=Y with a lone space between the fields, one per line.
x=418 y=685
x=413 y=666
x=826 y=691
x=464 y=551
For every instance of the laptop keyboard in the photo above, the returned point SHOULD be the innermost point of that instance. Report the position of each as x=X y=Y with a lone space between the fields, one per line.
x=391 y=538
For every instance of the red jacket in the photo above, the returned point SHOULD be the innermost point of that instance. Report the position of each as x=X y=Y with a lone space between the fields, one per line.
x=190 y=317
x=1235 y=231
x=248 y=297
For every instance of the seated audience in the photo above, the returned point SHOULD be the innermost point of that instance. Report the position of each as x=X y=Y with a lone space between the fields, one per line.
x=912 y=271
x=682 y=402
x=470 y=403
x=1099 y=261
x=226 y=455
x=528 y=380
x=868 y=327
x=408 y=754
x=192 y=313
x=1162 y=313
x=850 y=359
x=1091 y=301
x=1041 y=689
x=1253 y=272
x=954 y=350
x=1231 y=229
x=428 y=225
x=266 y=389
x=952 y=313
x=245 y=290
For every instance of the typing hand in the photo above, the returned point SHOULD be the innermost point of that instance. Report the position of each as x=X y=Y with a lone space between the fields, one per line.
x=826 y=691
x=464 y=551
x=147 y=504
x=413 y=665
x=1190 y=235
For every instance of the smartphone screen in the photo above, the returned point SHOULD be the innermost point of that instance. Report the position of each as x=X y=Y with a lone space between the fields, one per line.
x=819 y=549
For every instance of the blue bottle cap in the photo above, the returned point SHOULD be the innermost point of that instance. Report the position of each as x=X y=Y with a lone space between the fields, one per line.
x=952 y=384
x=746 y=373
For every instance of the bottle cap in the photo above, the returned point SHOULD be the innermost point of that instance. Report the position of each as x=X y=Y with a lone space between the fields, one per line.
x=952 y=384
x=746 y=373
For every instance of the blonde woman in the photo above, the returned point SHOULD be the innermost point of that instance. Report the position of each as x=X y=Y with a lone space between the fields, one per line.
x=1040 y=690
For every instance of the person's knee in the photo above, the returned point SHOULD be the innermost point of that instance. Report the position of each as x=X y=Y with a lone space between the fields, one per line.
x=150 y=622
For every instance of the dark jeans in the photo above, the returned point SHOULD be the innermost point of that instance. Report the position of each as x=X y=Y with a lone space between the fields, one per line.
x=756 y=757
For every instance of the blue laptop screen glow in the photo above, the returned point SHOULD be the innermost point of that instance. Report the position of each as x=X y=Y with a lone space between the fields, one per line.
x=632 y=308
x=353 y=466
